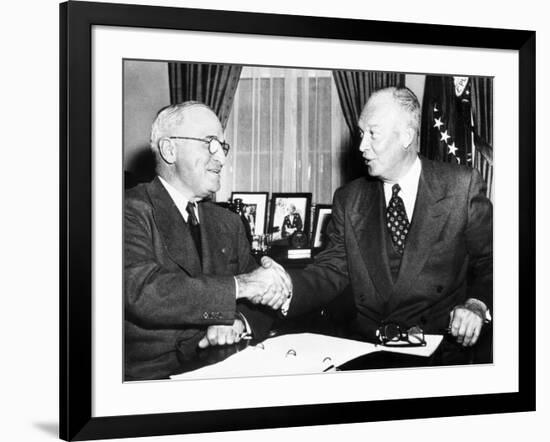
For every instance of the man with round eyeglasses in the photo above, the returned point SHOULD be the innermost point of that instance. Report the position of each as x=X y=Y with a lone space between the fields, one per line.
x=190 y=280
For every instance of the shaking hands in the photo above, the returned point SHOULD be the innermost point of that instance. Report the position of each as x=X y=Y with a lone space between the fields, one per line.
x=268 y=285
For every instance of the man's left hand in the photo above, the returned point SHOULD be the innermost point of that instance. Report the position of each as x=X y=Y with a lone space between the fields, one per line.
x=466 y=323
x=223 y=334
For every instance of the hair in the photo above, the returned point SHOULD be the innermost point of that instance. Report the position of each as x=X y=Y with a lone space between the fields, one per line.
x=166 y=118
x=407 y=100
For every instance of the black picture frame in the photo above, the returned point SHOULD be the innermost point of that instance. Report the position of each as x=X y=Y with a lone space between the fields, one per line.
x=321 y=212
x=76 y=240
x=302 y=201
x=260 y=213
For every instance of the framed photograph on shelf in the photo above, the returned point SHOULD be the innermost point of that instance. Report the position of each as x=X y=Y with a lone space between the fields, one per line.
x=255 y=209
x=96 y=42
x=323 y=212
x=290 y=213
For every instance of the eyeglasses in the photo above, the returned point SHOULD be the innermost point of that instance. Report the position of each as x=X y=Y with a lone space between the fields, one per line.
x=392 y=334
x=214 y=143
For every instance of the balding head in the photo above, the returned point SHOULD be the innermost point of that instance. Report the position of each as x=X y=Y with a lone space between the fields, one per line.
x=407 y=101
x=389 y=126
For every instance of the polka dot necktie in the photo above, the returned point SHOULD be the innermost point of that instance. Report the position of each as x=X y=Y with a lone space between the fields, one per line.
x=396 y=220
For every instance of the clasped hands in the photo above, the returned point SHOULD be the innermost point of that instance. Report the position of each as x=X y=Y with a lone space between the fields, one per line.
x=268 y=285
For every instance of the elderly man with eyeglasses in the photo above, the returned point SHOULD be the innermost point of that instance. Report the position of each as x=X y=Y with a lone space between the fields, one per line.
x=190 y=280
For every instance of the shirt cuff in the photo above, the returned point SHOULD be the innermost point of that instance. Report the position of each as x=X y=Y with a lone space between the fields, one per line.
x=236 y=287
x=482 y=306
x=247 y=328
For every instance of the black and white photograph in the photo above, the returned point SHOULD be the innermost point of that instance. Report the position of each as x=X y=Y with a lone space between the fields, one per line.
x=254 y=210
x=323 y=214
x=406 y=160
x=289 y=214
x=292 y=230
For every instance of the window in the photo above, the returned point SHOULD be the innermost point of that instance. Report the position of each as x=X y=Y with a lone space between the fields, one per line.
x=287 y=134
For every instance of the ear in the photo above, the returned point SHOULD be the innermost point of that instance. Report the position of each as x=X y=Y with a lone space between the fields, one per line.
x=167 y=151
x=407 y=137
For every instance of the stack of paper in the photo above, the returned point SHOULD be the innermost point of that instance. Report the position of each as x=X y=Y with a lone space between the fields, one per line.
x=298 y=354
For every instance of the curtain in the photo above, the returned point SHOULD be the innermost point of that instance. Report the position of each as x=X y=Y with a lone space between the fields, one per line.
x=287 y=134
x=212 y=84
x=354 y=89
x=482 y=115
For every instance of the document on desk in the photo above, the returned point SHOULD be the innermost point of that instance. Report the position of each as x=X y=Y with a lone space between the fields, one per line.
x=299 y=354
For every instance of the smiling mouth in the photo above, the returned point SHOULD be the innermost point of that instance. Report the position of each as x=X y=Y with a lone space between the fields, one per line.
x=215 y=171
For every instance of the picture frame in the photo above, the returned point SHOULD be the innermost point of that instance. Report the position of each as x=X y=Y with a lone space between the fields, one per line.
x=289 y=212
x=258 y=202
x=78 y=237
x=323 y=213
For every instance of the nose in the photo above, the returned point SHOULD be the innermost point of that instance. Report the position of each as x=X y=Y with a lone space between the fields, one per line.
x=220 y=157
x=365 y=144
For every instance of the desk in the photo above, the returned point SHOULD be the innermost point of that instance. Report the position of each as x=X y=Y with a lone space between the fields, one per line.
x=448 y=353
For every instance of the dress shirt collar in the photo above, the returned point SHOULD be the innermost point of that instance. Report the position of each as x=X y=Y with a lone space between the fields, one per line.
x=409 y=187
x=179 y=200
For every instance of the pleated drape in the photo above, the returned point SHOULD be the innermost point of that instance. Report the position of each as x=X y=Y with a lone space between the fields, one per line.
x=482 y=115
x=212 y=84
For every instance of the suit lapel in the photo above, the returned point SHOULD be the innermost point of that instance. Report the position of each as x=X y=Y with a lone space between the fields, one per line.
x=431 y=210
x=368 y=221
x=173 y=228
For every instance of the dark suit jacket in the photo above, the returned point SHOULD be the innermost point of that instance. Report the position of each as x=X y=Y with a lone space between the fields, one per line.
x=292 y=221
x=447 y=259
x=169 y=300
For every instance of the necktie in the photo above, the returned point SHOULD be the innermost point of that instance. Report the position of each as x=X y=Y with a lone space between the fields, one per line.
x=396 y=220
x=194 y=227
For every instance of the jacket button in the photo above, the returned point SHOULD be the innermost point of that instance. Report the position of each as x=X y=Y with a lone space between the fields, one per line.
x=423 y=319
x=439 y=288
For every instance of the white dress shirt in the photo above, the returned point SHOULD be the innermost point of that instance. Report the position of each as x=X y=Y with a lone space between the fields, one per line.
x=179 y=200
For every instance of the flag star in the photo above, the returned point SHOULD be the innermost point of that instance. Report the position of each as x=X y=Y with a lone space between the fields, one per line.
x=435 y=108
x=445 y=136
x=452 y=149
x=438 y=122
